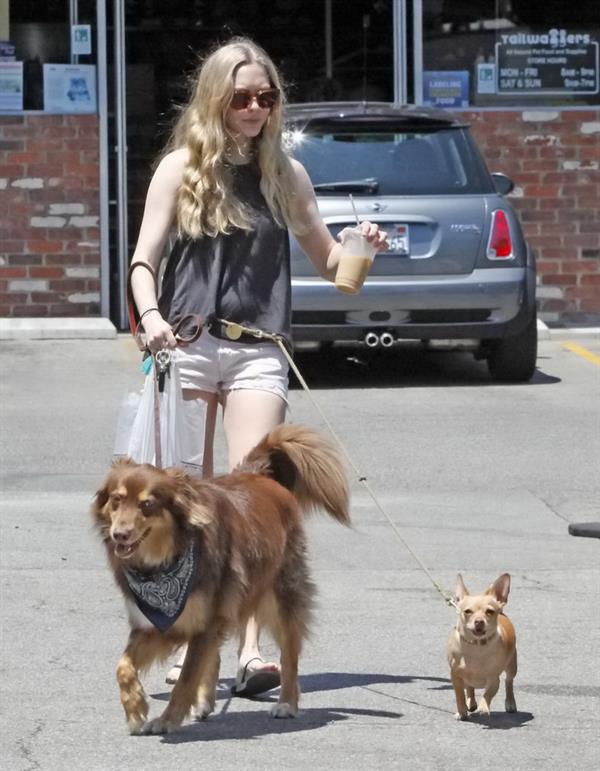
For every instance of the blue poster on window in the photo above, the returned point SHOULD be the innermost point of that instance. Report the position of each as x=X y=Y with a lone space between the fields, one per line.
x=446 y=88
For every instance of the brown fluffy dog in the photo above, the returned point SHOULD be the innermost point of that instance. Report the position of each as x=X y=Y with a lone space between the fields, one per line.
x=194 y=559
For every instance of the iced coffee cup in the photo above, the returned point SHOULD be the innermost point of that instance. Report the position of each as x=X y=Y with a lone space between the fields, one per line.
x=355 y=261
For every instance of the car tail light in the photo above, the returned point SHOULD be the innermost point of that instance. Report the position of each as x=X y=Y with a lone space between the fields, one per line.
x=500 y=243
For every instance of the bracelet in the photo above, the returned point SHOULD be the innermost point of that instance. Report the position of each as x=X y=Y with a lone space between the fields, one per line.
x=141 y=264
x=148 y=310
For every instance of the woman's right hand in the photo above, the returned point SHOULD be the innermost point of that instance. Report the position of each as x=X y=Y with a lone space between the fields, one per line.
x=158 y=332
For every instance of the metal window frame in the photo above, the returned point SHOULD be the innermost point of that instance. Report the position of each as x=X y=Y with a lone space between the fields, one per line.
x=103 y=158
x=400 y=55
x=121 y=155
x=418 y=51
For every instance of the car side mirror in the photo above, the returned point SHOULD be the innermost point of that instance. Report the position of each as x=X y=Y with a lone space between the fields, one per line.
x=503 y=184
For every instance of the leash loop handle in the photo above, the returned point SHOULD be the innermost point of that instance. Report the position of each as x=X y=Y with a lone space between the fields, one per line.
x=186 y=330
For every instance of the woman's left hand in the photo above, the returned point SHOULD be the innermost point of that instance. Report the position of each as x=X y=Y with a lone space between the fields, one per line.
x=375 y=236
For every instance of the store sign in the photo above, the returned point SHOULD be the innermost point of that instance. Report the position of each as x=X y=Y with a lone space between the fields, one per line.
x=7 y=51
x=554 y=62
x=69 y=88
x=486 y=78
x=81 y=39
x=11 y=86
x=445 y=88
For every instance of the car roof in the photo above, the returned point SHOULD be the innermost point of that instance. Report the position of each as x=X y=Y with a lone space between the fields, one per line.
x=371 y=113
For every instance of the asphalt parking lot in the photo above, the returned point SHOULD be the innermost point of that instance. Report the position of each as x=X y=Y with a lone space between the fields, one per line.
x=478 y=477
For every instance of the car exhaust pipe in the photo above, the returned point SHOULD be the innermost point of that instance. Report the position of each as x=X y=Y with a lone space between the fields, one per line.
x=372 y=339
x=386 y=339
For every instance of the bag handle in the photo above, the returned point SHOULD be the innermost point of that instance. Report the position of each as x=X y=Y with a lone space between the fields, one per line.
x=191 y=320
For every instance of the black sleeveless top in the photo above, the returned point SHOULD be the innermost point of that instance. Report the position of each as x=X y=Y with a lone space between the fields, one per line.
x=243 y=276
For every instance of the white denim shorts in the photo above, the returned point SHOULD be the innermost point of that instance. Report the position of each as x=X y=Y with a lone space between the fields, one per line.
x=214 y=365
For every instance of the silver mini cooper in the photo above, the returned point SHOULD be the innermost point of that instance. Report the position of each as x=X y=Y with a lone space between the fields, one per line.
x=459 y=268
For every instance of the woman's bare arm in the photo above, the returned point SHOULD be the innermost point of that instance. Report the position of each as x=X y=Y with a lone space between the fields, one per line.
x=159 y=215
x=317 y=242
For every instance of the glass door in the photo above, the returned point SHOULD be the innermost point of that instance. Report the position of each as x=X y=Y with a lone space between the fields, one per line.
x=326 y=49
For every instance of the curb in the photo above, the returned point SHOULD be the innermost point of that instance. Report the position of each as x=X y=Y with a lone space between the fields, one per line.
x=57 y=329
x=566 y=333
x=570 y=333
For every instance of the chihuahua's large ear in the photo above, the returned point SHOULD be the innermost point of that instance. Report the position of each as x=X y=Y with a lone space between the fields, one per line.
x=500 y=588
x=461 y=590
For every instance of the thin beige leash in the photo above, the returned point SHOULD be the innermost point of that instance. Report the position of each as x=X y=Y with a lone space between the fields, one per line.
x=234 y=331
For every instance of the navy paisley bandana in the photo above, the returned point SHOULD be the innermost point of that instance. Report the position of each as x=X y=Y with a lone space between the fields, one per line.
x=162 y=596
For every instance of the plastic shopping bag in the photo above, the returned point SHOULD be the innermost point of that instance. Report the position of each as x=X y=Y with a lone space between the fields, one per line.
x=181 y=425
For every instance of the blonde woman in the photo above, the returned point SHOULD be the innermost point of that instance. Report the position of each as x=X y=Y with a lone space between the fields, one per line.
x=232 y=193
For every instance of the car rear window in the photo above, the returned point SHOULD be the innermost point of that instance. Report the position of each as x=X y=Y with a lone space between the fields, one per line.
x=379 y=162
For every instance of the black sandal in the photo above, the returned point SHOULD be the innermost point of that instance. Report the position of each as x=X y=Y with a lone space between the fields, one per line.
x=253 y=683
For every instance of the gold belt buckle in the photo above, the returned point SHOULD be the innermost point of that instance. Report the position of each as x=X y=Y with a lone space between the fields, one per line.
x=233 y=331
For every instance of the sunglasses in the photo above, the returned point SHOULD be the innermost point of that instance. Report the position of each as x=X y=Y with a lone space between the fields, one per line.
x=265 y=98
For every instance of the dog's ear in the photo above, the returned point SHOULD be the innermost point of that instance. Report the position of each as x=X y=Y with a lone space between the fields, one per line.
x=100 y=499
x=186 y=503
x=122 y=461
x=103 y=493
x=461 y=590
x=197 y=514
x=500 y=588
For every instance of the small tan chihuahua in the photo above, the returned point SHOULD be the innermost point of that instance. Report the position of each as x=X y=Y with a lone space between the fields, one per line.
x=481 y=647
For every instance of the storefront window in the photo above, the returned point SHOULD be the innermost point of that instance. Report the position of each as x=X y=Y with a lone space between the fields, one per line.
x=506 y=53
x=44 y=63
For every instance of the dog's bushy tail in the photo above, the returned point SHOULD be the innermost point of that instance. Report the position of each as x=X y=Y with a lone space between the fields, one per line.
x=305 y=463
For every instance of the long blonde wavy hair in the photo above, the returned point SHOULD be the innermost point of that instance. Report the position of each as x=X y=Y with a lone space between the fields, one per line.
x=206 y=202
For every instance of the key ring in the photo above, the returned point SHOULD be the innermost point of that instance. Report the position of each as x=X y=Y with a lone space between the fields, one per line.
x=162 y=359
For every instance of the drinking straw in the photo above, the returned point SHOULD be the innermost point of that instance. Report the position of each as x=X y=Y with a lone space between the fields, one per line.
x=354 y=209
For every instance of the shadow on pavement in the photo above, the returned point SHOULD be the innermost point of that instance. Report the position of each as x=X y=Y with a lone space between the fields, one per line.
x=332 y=681
x=253 y=725
x=346 y=367
x=327 y=681
x=500 y=721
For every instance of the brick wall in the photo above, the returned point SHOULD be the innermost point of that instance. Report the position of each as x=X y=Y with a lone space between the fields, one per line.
x=554 y=159
x=49 y=250
x=49 y=204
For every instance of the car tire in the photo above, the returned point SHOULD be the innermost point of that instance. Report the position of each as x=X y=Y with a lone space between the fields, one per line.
x=512 y=359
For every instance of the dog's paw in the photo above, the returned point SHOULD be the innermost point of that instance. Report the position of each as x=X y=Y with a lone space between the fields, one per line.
x=471 y=705
x=483 y=709
x=203 y=710
x=136 y=717
x=136 y=725
x=159 y=726
x=510 y=705
x=283 y=710
x=155 y=726
x=460 y=715
x=136 y=709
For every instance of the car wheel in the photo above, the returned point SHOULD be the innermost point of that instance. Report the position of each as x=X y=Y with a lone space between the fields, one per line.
x=512 y=359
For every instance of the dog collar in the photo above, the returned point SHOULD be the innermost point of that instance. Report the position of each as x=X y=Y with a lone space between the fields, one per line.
x=161 y=596
x=477 y=641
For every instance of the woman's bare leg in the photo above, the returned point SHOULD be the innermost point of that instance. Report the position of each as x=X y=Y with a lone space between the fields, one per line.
x=247 y=416
x=212 y=402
